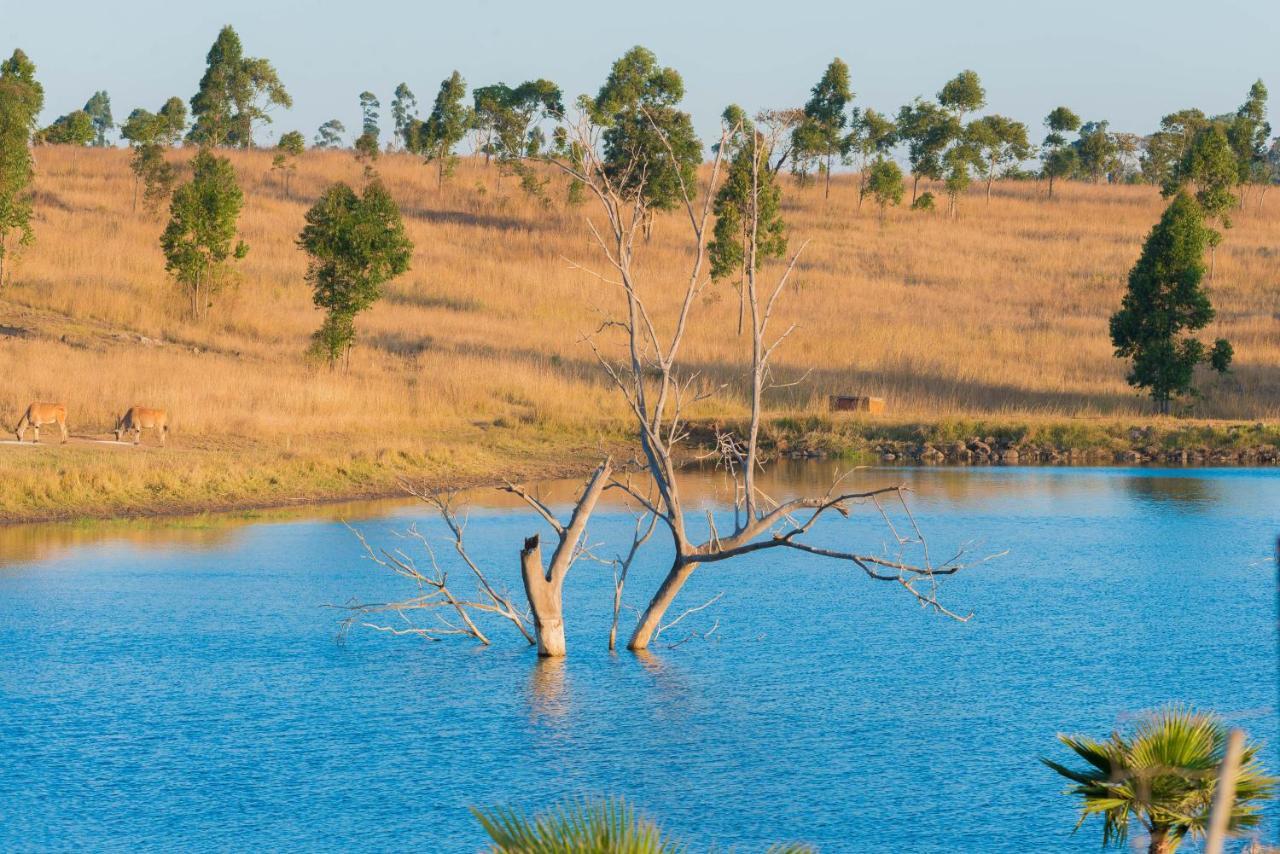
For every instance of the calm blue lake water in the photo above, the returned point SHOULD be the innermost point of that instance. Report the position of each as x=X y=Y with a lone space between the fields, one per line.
x=180 y=687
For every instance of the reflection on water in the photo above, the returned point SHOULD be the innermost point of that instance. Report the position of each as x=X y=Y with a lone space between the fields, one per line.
x=1185 y=493
x=990 y=488
x=547 y=695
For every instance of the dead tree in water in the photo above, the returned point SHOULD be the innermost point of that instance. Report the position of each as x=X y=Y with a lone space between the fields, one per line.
x=642 y=357
x=641 y=350
x=544 y=588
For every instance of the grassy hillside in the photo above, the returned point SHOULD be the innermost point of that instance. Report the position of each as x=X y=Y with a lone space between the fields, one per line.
x=474 y=363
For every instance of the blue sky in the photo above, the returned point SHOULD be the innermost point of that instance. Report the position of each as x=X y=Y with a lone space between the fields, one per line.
x=1128 y=62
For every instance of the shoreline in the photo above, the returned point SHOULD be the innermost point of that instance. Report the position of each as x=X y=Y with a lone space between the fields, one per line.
x=278 y=483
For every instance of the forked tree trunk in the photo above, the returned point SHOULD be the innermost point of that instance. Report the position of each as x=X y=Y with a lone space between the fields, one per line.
x=545 y=600
x=651 y=619
x=544 y=588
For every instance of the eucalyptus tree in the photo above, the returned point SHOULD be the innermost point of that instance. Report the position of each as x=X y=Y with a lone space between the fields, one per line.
x=1058 y=157
x=1166 y=147
x=821 y=135
x=871 y=138
x=1097 y=152
x=329 y=134
x=21 y=99
x=235 y=93
x=510 y=120
x=404 y=109
x=649 y=147
x=200 y=241
x=75 y=128
x=148 y=135
x=1249 y=134
x=999 y=142
x=356 y=244
x=289 y=148
x=885 y=185
x=748 y=210
x=1212 y=168
x=437 y=137
x=927 y=129
x=98 y=108
x=962 y=156
x=1165 y=300
x=369 y=106
x=963 y=94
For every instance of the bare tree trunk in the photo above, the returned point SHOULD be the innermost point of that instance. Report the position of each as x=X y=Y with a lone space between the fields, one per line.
x=545 y=600
x=827 y=193
x=651 y=619
x=915 y=185
x=545 y=589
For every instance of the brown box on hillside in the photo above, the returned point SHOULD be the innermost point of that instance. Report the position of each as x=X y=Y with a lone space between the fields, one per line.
x=850 y=403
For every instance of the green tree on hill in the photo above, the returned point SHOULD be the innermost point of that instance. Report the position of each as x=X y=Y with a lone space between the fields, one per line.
x=148 y=135
x=288 y=149
x=1249 y=133
x=329 y=134
x=164 y=127
x=871 y=137
x=749 y=197
x=1058 y=157
x=1097 y=151
x=963 y=94
x=235 y=93
x=404 y=109
x=1164 y=301
x=651 y=153
x=508 y=118
x=99 y=109
x=21 y=99
x=885 y=185
x=200 y=241
x=821 y=135
x=437 y=137
x=356 y=244
x=999 y=143
x=75 y=128
x=927 y=129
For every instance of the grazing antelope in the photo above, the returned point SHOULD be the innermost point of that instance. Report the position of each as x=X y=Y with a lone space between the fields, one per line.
x=38 y=414
x=139 y=417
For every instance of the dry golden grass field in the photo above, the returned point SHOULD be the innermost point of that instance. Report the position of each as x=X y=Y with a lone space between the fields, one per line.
x=473 y=364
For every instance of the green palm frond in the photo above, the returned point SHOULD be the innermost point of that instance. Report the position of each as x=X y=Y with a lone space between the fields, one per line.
x=609 y=826
x=1163 y=775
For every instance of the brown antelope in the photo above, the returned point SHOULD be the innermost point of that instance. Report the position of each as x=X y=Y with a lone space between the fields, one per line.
x=139 y=417
x=38 y=414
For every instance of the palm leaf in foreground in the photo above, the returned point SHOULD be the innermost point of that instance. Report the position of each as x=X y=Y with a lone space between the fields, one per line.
x=1164 y=777
x=609 y=826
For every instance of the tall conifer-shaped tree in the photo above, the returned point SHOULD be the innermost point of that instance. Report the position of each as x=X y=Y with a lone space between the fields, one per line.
x=1164 y=302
